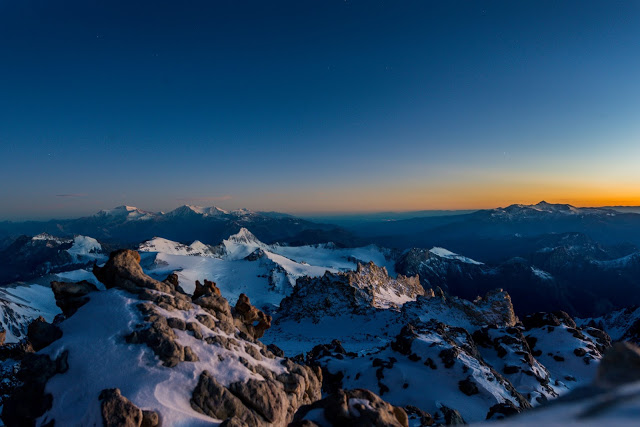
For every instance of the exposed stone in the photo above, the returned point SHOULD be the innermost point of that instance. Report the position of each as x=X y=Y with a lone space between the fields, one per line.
x=41 y=334
x=150 y=419
x=209 y=288
x=161 y=339
x=468 y=387
x=266 y=397
x=71 y=296
x=414 y=413
x=212 y=399
x=29 y=401
x=123 y=270
x=336 y=407
x=451 y=416
x=249 y=319
x=176 y=323
x=117 y=410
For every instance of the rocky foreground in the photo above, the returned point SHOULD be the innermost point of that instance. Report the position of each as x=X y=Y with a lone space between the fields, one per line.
x=145 y=353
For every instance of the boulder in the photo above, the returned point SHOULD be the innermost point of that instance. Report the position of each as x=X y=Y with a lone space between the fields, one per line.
x=41 y=334
x=249 y=319
x=71 y=296
x=209 y=287
x=212 y=399
x=123 y=270
x=117 y=410
x=354 y=407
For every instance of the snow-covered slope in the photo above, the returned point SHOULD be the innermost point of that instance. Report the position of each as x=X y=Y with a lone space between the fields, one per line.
x=128 y=213
x=158 y=244
x=184 y=361
x=19 y=305
x=242 y=263
x=621 y=325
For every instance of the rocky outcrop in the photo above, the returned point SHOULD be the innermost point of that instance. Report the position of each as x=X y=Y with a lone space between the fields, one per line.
x=209 y=287
x=356 y=407
x=423 y=354
x=613 y=398
x=249 y=319
x=71 y=296
x=354 y=292
x=123 y=271
x=117 y=410
x=30 y=400
x=41 y=334
x=240 y=379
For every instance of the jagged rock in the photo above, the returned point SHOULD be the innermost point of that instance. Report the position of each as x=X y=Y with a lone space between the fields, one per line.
x=29 y=401
x=70 y=296
x=150 y=419
x=123 y=270
x=353 y=292
x=249 y=319
x=162 y=340
x=212 y=399
x=41 y=334
x=501 y=410
x=3 y=336
x=355 y=407
x=209 y=287
x=620 y=365
x=277 y=351
x=420 y=416
x=219 y=307
x=266 y=397
x=233 y=422
x=451 y=416
x=174 y=281
x=117 y=410
x=468 y=387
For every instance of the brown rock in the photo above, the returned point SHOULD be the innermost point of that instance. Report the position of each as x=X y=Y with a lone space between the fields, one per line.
x=123 y=270
x=376 y=412
x=209 y=287
x=249 y=319
x=71 y=296
x=212 y=399
x=117 y=410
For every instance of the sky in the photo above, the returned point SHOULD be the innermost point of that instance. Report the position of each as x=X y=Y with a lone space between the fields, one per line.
x=317 y=106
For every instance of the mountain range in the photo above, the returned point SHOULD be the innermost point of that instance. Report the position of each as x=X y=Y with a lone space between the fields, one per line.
x=284 y=326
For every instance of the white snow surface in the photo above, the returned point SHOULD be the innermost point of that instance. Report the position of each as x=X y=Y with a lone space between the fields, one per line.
x=21 y=304
x=444 y=253
x=268 y=279
x=86 y=249
x=99 y=358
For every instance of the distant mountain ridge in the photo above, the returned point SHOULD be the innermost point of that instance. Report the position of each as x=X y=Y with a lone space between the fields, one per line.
x=128 y=226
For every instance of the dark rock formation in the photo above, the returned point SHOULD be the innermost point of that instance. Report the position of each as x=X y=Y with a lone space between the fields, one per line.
x=249 y=319
x=357 y=407
x=29 y=401
x=41 y=334
x=71 y=296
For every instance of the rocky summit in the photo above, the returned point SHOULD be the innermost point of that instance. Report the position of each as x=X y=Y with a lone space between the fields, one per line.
x=138 y=342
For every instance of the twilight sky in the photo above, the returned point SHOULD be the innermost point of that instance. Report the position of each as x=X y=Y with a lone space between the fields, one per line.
x=317 y=106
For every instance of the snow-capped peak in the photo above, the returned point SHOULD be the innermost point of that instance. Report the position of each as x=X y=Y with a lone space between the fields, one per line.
x=128 y=212
x=198 y=210
x=165 y=246
x=444 y=253
x=244 y=236
x=49 y=237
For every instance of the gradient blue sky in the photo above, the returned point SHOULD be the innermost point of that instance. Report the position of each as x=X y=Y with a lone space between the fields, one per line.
x=317 y=106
